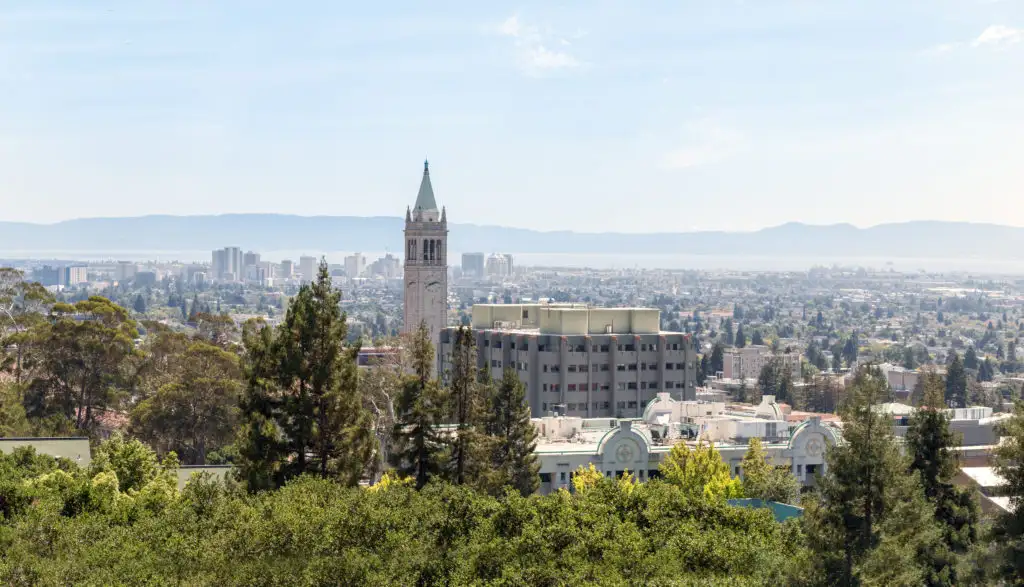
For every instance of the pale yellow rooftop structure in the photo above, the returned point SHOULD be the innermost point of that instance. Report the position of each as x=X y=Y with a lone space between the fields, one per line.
x=566 y=319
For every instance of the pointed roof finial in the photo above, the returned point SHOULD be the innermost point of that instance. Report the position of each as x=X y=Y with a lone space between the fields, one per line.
x=444 y=214
x=426 y=166
x=425 y=197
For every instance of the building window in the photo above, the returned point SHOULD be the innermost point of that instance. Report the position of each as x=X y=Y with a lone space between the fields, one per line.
x=604 y=366
x=630 y=347
x=580 y=348
x=544 y=388
x=621 y=386
x=653 y=347
x=545 y=368
x=620 y=367
x=512 y=345
x=497 y=344
x=594 y=349
x=632 y=405
x=632 y=367
x=643 y=347
x=652 y=385
x=526 y=314
x=668 y=366
x=545 y=477
x=799 y=470
x=555 y=368
x=571 y=387
x=605 y=387
x=605 y=405
x=561 y=476
x=604 y=348
x=679 y=366
x=632 y=385
x=572 y=368
x=556 y=387
x=620 y=405
x=544 y=406
x=593 y=387
x=643 y=385
x=525 y=347
x=583 y=368
x=487 y=342
x=643 y=366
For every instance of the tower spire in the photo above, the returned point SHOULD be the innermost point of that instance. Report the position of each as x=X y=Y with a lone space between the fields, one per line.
x=425 y=198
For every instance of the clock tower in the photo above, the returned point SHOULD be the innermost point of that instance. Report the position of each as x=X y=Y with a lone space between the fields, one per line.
x=426 y=263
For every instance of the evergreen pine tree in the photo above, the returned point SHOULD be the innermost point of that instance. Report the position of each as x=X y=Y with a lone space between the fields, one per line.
x=762 y=480
x=756 y=339
x=140 y=304
x=741 y=338
x=466 y=407
x=514 y=436
x=872 y=524
x=971 y=359
x=419 y=446
x=717 y=358
x=930 y=444
x=1008 y=530
x=956 y=383
x=322 y=425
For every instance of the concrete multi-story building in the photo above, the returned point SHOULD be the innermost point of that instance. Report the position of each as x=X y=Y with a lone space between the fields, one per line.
x=227 y=264
x=498 y=266
x=747 y=362
x=355 y=265
x=75 y=274
x=125 y=270
x=473 y=264
x=580 y=361
x=426 y=262
x=307 y=268
x=287 y=269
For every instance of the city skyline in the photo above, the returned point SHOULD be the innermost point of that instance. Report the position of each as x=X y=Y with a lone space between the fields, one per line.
x=725 y=115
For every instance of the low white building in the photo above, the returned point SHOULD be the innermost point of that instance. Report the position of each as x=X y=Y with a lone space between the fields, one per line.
x=747 y=362
x=614 y=446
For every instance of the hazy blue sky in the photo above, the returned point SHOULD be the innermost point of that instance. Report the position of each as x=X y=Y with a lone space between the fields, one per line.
x=598 y=115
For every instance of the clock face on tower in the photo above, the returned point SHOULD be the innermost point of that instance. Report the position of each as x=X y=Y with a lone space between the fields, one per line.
x=433 y=286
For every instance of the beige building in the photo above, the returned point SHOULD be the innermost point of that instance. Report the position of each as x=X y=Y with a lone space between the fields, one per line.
x=580 y=361
x=75 y=449
x=747 y=362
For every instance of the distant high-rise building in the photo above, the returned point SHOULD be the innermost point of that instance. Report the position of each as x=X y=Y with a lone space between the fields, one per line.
x=235 y=265
x=218 y=264
x=497 y=266
x=508 y=261
x=75 y=274
x=426 y=262
x=287 y=269
x=47 y=275
x=250 y=259
x=473 y=264
x=125 y=271
x=355 y=264
x=307 y=267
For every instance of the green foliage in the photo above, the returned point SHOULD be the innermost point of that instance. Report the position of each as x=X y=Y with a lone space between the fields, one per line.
x=318 y=532
x=956 y=383
x=871 y=524
x=1008 y=531
x=82 y=351
x=196 y=412
x=303 y=407
x=419 y=445
x=931 y=447
x=700 y=472
x=762 y=480
x=513 y=462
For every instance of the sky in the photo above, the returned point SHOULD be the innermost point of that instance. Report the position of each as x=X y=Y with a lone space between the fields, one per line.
x=599 y=115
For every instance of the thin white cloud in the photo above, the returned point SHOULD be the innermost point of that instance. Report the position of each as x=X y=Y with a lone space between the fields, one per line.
x=707 y=142
x=998 y=35
x=995 y=36
x=533 y=53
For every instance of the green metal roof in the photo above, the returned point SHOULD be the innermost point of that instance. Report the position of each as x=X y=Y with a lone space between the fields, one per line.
x=425 y=199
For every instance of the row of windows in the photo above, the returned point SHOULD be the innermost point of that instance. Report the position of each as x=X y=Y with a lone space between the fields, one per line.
x=564 y=476
x=580 y=407
x=580 y=348
x=620 y=386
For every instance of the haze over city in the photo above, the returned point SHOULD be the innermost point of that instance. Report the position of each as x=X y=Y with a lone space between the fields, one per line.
x=693 y=115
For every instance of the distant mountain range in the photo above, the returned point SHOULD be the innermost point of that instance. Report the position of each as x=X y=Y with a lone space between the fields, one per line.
x=275 y=232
